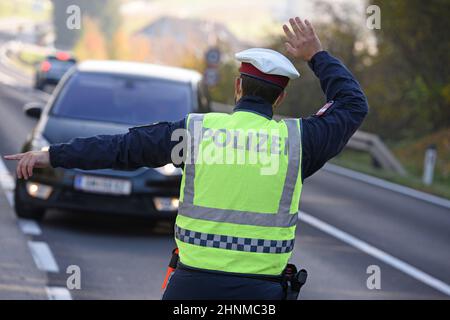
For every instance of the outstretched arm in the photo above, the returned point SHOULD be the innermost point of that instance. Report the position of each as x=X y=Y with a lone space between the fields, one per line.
x=326 y=133
x=142 y=146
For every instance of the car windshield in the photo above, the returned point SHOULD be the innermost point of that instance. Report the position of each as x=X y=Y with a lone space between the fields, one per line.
x=123 y=99
x=61 y=64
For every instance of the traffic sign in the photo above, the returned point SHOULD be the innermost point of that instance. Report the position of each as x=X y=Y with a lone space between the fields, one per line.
x=211 y=76
x=212 y=56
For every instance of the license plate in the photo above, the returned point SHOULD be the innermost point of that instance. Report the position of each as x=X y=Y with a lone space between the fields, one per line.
x=102 y=185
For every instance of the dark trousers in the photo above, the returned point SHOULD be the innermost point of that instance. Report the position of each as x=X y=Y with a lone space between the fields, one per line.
x=196 y=285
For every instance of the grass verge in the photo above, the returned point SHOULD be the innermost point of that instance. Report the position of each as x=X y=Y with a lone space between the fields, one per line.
x=362 y=162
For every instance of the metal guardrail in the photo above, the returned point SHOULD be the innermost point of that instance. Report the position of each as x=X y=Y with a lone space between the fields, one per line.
x=360 y=141
x=371 y=143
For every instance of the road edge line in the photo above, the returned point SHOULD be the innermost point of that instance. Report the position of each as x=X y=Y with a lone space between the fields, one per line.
x=7 y=182
x=376 y=253
x=413 y=193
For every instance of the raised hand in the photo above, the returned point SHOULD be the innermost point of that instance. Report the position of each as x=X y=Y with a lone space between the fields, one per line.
x=28 y=161
x=302 y=42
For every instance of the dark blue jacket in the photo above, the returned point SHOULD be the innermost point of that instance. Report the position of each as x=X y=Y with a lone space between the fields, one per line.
x=323 y=136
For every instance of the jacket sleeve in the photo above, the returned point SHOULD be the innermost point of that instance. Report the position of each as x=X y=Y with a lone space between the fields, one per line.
x=148 y=146
x=326 y=133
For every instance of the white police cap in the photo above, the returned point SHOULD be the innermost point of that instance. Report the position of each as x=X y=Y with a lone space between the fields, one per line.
x=269 y=62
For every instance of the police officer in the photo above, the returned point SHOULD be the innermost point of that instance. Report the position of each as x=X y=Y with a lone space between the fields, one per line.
x=235 y=228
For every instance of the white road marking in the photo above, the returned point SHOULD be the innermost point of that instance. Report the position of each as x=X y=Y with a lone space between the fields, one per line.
x=58 y=293
x=4 y=78
x=17 y=81
x=29 y=227
x=40 y=251
x=388 y=185
x=10 y=197
x=12 y=74
x=6 y=179
x=376 y=253
x=43 y=256
x=7 y=80
x=7 y=182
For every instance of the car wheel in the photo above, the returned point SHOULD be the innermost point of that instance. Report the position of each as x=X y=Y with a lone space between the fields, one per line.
x=25 y=210
x=39 y=85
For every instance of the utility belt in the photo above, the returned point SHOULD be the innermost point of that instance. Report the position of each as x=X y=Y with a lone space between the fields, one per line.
x=290 y=279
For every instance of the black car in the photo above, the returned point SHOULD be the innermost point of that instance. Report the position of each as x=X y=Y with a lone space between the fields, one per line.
x=108 y=97
x=50 y=70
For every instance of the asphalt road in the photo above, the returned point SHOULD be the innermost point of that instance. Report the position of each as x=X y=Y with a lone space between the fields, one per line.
x=123 y=257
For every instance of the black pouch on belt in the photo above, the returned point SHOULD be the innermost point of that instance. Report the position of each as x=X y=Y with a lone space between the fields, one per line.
x=293 y=281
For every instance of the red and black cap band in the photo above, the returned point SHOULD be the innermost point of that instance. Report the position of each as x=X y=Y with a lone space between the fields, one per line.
x=252 y=71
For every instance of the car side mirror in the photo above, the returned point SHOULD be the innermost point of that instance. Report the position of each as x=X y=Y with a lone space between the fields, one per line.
x=33 y=109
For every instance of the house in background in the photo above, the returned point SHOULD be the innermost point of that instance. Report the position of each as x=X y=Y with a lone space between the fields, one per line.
x=172 y=40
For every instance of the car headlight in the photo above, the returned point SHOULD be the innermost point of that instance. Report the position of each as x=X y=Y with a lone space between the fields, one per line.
x=166 y=204
x=169 y=170
x=39 y=143
x=39 y=190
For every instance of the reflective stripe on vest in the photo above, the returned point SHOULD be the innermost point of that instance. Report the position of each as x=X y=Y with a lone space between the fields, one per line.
x=281 y=219
x=233 y=243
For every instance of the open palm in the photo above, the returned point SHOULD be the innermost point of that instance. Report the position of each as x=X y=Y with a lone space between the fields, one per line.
x=302 y=42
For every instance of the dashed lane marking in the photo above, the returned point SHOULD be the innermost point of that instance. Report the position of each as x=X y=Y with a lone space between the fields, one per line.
x=29 y=227
x=40 y=251
x=43 y=256
x=58 y=293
